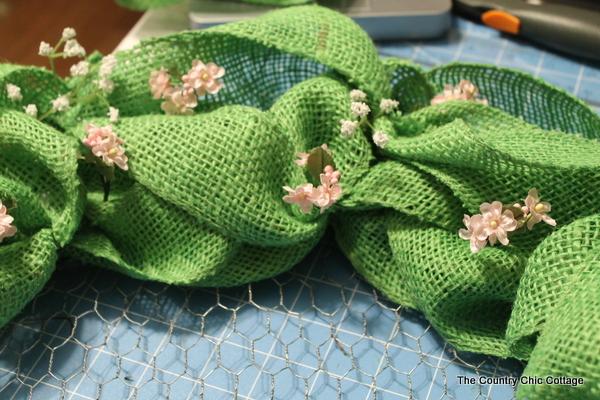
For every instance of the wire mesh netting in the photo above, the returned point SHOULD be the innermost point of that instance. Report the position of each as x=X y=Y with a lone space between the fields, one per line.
x=318 y=331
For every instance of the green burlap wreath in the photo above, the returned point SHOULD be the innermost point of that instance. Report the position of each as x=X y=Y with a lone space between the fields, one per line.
x=202 y=201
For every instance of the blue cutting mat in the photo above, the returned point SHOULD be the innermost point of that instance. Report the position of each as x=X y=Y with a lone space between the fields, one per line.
x=318 y=331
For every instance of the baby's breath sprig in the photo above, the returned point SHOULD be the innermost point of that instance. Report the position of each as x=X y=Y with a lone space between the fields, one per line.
x=82 y=72
x=71 y=49
x=105 y=148
x=361 y=111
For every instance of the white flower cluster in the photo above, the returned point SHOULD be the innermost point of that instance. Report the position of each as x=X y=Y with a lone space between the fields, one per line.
x=45 y=49
x=68 y=33
x=61 y=103
x=105 y=84
x=360 y=110
x=113 y=114
x=73 y=49
x=109 y=62
x=380 y=139
x=14 y=92
x=388 y=105
x=81 y=69
x=31 y=110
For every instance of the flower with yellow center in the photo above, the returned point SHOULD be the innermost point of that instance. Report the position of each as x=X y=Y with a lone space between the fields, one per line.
x=538 y=209
x=495 y=224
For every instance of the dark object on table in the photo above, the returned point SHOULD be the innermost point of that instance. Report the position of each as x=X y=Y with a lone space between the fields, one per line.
x=381 y=19
x=571 y=27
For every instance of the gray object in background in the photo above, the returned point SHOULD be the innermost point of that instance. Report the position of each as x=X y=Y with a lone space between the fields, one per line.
x=381 y=19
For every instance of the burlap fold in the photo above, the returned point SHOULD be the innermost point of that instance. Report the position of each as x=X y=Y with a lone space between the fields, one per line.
x=201 y=203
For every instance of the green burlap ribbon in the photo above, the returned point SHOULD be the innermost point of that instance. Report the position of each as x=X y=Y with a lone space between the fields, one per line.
x=202 y=201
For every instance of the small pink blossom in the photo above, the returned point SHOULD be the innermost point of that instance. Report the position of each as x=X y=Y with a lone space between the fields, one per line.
x=159 y=82
x=465 y=90
x=331 y=175
x=524 y=209
x=106 y=145
x=179 y=102
x=6 y=229
x=474 y=225
x=303 y=159
x=324 y=147
x=329 y=190
x=203 y=78
x=538 y=209
x=111 y=151
x=302 y=196
x=96 y=135
x=304 y=156
x=495 y=224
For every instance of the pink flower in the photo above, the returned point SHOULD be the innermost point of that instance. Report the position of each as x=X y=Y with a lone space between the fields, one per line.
x=324 y=147
x=495 y=224
x=303 y=159
x=304 y=156
x=96 y=135
x=465 y=90
x=329 y=191
x=474 y=225
x=332 y=176
x=538 y=209
x=6 y=229
x=179 y=102
x=203 y=78
x=112 y=152
x=302 y=196
x=159 y=82
x=106 y=145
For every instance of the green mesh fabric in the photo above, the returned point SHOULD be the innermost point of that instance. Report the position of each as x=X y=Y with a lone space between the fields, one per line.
x=143 y=5
x=202 y=201
x=559 y=352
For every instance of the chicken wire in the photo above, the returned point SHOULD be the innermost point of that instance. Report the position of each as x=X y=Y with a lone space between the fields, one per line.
x=318 y=331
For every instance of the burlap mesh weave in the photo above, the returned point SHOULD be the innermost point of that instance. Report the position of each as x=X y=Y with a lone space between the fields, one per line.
x=559 y=352
x=201 y=203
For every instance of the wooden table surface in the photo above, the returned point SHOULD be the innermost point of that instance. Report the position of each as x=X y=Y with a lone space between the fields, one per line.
x=100 y=25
